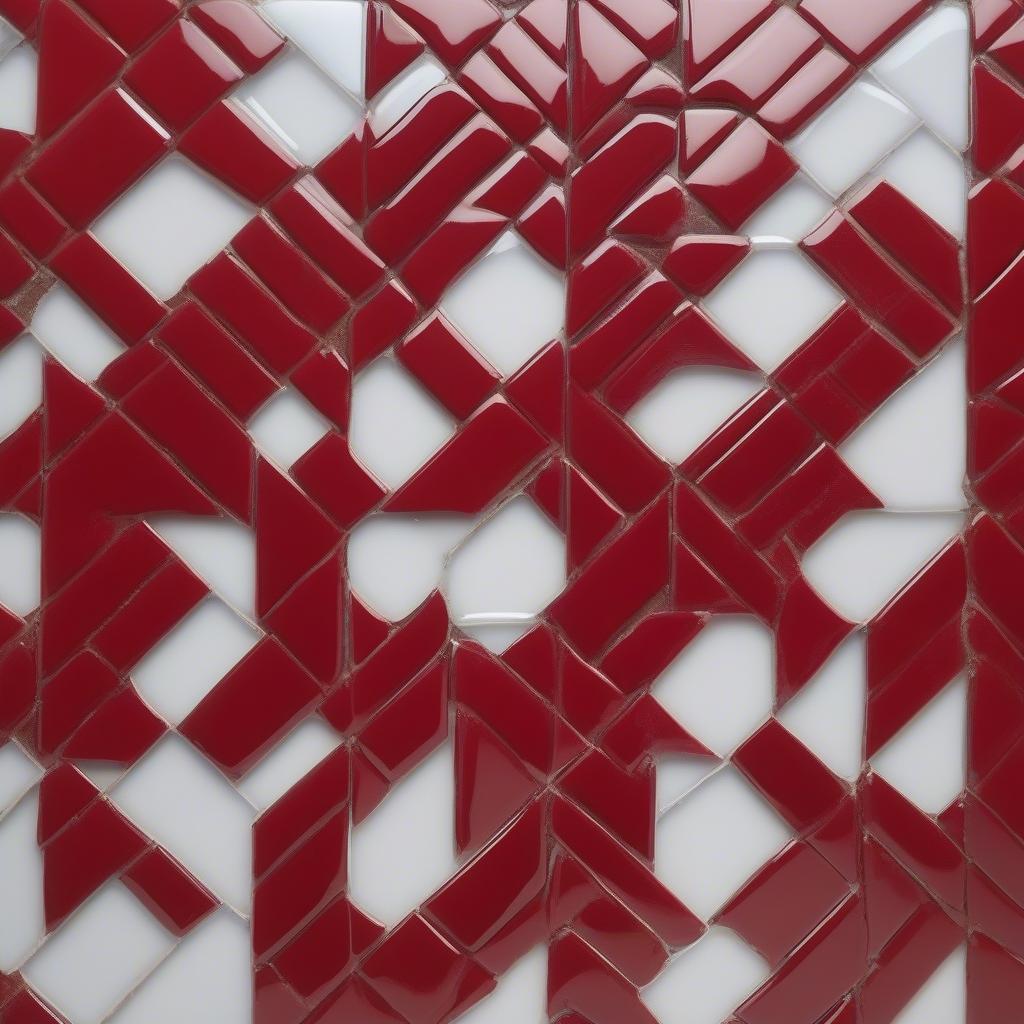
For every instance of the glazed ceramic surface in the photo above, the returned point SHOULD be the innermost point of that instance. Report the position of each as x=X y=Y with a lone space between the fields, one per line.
x=511 y=511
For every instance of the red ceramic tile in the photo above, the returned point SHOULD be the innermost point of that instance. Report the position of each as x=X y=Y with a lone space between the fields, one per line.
x=290 y=275
x=446 y=364
x=132 y=26
x=251 y=312
x=743 y=172
x=76 y=63
x=181 y=74
x=262 y=697
x=227 y=143
x=209 y=352
x=877 y=286
x=83 y=170
x=177 y=899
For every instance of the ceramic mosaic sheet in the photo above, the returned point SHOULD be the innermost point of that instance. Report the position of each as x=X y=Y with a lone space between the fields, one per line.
x=511 y=511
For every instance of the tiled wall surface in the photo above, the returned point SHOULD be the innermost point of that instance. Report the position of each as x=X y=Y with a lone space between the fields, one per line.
x=511 y=511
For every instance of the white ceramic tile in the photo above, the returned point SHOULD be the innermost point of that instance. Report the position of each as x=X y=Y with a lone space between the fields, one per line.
x=942 y=999
x=396 y=425
x=520 y=997
x=771 y=304
x=792 y=212
x=395 y=561
x=104 y=775
x=713 y=840
x=509 y=303
x=926 y=759
x=206 y=980
x=827 y=715
x=183 y=667
x=851 y=135
x=21 y=383
x=21 y=883
x=932 y=176
x=299 y=104
x=169 y=224
x=296 y=755
x=705 y=983
x=287 y=426
x=395 y=101
x=509 y=569
x=928 y=70
x=677 y=775
x=720 y=687
x=18 y=774
x=405 y=849
x=867 y=557
x=73 y=334
x=19 y=558
x=331 y=32
x=497 y=637
x=912 y=452
x=18 y=72
x=98 y=955
x=685 y=408
x=9 y=37
x=183 y=802
x=221 y=551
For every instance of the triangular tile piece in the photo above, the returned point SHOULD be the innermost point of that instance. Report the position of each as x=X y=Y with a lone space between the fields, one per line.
x=391 y=46
x=308 y=621
x=548 y=491
x=997 y=717
x=71 y=407
x=607 y=64
x=696 y=588
x=537 y=388
x=591 y=518
x=657 y=216
x=63 y=795
x=80 y=859
x=715 y=28
x=599 y=280
x=701 y=131
x=808 y=631
x=490 y=783
x=292 y=535
x=1008 y=49
x=995 y=222
x=994 y=431
x=112 y=469
x=999 y=126
x=75 y=63
x=891 y=895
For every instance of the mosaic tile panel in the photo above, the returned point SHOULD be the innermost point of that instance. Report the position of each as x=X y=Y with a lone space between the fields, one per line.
x=511 y=511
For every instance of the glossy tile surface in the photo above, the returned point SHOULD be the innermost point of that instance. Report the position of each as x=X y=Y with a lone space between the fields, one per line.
x=511 y=511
